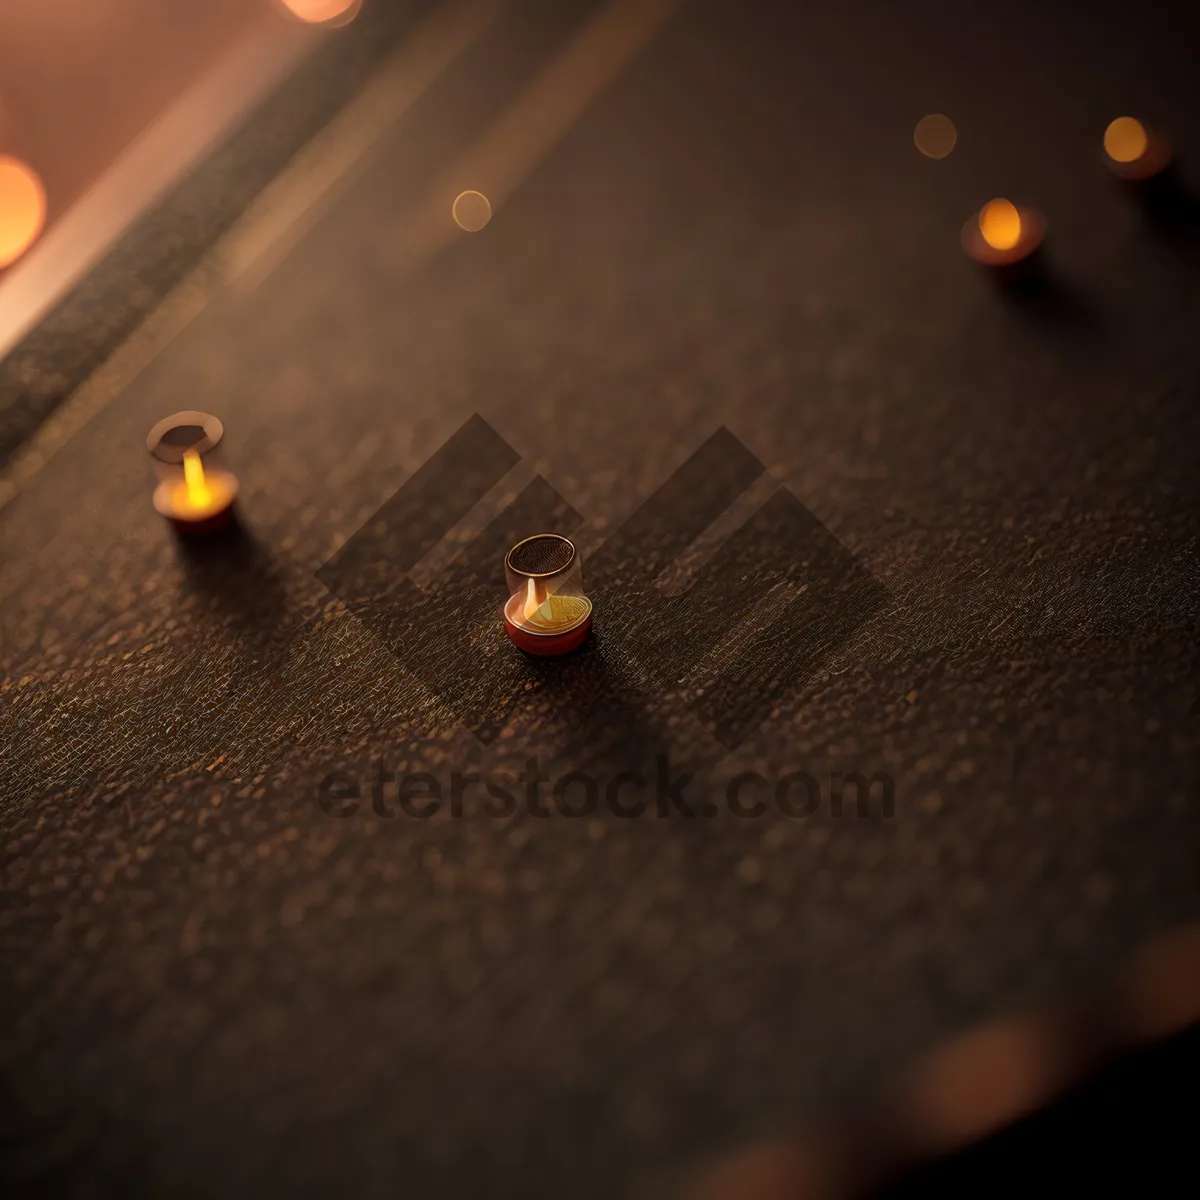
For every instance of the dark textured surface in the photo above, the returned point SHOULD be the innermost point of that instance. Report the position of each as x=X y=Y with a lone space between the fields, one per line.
x=214 y=987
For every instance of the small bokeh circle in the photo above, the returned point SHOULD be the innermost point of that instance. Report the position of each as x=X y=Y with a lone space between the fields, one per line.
x=1125 y=140
x=935 y=135
x=472 y=211
x=22 y=208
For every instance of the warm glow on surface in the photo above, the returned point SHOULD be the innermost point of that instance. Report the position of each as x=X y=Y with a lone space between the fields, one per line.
x=935 y=135
x=1125 y=140
x=472 y=211
x=22 y=209
x=1000 y=224
x=321 y=12
x=198 y=493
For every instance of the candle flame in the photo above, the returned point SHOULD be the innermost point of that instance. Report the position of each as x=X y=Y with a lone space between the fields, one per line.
x=536 y=597
x=193 y=476
x=1000 y=224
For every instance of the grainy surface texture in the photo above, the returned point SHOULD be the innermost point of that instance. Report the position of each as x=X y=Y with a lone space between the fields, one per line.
x=212 y=986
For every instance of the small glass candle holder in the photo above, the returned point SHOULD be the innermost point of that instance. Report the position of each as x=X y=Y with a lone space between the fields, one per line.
x=192 y=493
x=546 y=611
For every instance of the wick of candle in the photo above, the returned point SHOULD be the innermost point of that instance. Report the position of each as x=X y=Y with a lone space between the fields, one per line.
x=198 y=493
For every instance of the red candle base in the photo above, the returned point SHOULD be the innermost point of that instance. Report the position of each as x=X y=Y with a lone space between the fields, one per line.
x=545 y=644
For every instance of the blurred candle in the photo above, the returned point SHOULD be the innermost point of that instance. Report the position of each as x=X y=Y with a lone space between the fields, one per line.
x=1133 y=152
x=1003 y=235
x=199 y=502
x=193 y=494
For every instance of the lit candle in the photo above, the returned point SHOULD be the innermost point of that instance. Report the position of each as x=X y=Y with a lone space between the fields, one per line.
x=199 y=502
x=546 y=612
x=1004 y=235
x=1143 y=161
x=194 y=495
x=1133 y=152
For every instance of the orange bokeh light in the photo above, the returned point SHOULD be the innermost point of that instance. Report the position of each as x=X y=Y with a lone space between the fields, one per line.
x=1000 y=224
x=324 y=12
x=22 y=208
x=1126 y=140
x=935 y=135
x=471 y=211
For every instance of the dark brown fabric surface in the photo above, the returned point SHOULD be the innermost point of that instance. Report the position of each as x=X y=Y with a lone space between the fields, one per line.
x=215 y=987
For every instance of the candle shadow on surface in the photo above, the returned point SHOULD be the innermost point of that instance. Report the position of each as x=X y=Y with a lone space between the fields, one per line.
x=1169 y=206
x=1040 y=296
x=237 y=635
x=592 y=719
x=582 y=705
x=238 y=576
